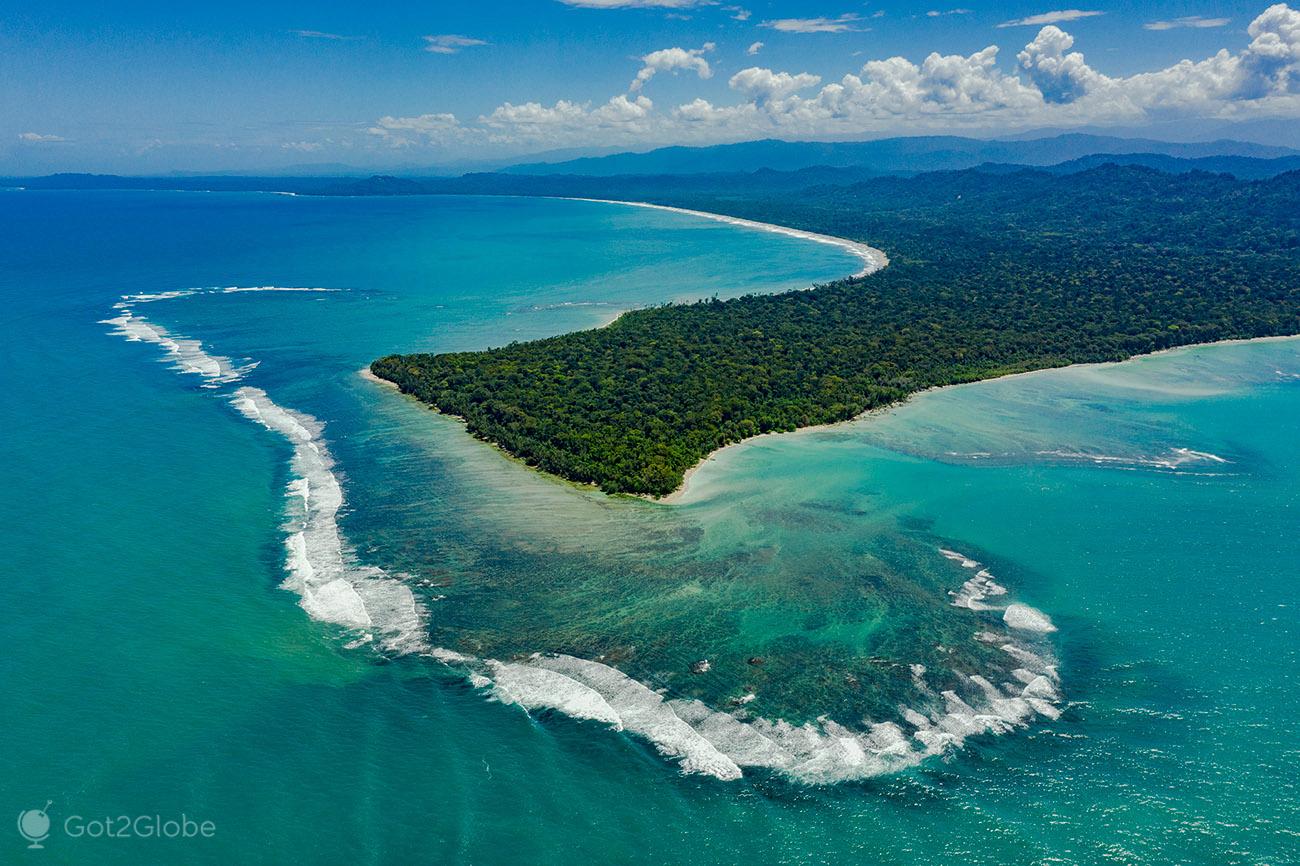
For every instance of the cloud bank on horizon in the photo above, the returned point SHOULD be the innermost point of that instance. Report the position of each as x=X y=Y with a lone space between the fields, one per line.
x=1050 y=84
x=716 y=88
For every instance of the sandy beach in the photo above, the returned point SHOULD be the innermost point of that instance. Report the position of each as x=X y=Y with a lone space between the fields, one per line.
x=872 y=258
x=365 y=373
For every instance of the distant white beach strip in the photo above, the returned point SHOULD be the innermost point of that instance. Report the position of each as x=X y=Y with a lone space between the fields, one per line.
x=872 y=258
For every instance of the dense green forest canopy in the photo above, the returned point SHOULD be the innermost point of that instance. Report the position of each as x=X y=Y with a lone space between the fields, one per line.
x=990 y=274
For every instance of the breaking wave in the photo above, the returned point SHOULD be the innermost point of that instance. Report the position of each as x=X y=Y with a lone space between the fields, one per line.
x=721 y=744
x=1174 y=458
x=321 y=568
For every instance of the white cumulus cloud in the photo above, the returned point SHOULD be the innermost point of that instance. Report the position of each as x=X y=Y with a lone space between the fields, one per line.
x=423 y=128
x=766 y=87
x=673 y=60
x=1059 y=74
x=621 y=119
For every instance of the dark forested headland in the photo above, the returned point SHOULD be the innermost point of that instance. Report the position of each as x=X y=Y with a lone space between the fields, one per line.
x=991 y=273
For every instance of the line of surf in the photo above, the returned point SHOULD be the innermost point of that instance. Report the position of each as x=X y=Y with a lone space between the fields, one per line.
x=320 y=566
x=722 y=744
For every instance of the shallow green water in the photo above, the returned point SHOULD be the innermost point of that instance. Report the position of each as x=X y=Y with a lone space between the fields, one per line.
x=154 y=666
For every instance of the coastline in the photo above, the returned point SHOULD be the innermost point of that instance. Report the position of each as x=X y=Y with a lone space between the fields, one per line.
x=365 y=373
x=683 y=489
x=873 y=259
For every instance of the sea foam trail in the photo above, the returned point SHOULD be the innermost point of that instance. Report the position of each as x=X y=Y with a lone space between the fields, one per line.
x=321 y=568
x=721 y=744
x=186 y=355
x=872 y=258
x=1174 y=458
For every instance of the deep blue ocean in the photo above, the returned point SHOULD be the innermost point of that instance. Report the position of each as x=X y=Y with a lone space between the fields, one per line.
x=1046 y=619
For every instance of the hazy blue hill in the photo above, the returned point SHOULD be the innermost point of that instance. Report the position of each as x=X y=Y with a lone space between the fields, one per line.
x=746 y=168
x=379 y=184
x=1241 y=167
x=889 y=155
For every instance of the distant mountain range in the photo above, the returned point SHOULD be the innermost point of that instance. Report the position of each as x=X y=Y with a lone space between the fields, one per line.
x=1240 y=167
x=890 y=155
x=760 y=166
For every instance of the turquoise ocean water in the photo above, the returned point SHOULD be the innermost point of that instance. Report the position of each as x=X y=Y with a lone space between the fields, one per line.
x=154 y=664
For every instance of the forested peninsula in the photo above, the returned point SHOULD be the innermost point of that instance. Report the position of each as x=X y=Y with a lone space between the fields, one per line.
x=990 y=274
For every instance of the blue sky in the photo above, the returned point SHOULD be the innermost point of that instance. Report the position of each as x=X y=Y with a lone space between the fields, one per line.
x=150 y=86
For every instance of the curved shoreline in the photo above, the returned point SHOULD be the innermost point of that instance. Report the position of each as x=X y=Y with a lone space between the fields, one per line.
x=873 y=259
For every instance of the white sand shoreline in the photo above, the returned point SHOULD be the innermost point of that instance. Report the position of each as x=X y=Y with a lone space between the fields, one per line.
x=365 y=373
x=872 y=258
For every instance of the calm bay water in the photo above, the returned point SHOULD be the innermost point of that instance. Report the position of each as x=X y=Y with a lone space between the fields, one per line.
x=153 y=664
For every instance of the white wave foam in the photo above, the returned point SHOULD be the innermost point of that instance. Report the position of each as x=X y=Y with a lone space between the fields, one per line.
x=532 y=687
x=966 y=561
x=1173 y=459
x=1187 y=455
x=322 y=570
x=645 y=712
x=1034 y=662
x=231 y=290
x=1026 y=618
x=152 y=297
x=974 y=591
x=186 y=355
x=717 y=743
